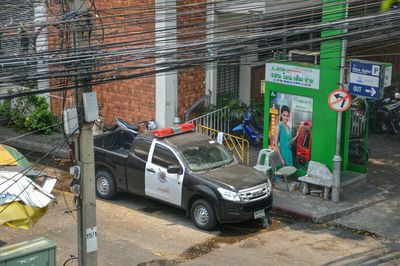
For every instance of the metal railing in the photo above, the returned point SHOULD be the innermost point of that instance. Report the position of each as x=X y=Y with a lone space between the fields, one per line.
x=218 y=120
x=357 y=123
x=240 y=147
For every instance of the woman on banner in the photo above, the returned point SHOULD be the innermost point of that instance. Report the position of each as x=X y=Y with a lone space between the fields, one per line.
x=283 y=138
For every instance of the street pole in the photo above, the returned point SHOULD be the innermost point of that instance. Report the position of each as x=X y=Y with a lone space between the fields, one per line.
x=337 y=159
x=87 y=230
x=211 y=67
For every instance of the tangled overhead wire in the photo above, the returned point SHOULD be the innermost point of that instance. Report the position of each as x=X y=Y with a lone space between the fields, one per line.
x=142 y=40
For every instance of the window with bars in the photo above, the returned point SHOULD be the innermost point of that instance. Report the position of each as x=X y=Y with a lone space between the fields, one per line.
x=227 y=81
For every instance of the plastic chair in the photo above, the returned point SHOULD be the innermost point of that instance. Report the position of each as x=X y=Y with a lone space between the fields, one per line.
x=285 y=171
x=263 y=161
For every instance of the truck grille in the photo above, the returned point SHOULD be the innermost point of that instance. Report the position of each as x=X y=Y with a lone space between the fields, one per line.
x=255 y=206
x=255 y=193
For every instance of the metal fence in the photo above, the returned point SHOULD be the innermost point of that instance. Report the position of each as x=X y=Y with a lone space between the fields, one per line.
x=357 y=123
x=218 y=120
x=240 y=147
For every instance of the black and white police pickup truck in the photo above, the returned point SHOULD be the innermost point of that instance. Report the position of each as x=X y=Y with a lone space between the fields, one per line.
x=185 y=169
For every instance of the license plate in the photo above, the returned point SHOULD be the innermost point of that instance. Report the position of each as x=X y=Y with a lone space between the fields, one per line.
x=259 y=214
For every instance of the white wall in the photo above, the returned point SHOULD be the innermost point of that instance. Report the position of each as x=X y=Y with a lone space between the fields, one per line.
x=245 y=75
x=167 y=82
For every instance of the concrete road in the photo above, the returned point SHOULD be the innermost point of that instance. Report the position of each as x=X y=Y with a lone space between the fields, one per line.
x=137 y=231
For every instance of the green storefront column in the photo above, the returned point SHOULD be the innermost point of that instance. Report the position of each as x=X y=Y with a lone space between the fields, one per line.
x=324 y=139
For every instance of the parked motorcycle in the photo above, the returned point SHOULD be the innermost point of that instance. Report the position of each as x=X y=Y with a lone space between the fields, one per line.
x=385 y=116
x=250 y=129
x=358 y=151
x=146 y=125
x=100 y=127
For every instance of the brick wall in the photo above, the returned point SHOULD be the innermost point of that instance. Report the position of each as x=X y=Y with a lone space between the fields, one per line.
x=55 y=45
x=191 y=26
x=191 y=87
x=134 y=99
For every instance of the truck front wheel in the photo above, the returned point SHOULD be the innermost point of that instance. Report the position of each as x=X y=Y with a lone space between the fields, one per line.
x=203 y=215
x=106 y=187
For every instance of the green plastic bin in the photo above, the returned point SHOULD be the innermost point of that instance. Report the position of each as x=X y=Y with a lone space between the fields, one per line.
x=37 y=252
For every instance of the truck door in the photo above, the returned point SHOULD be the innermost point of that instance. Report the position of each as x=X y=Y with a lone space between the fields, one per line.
x=159 y=183
x=136 y=165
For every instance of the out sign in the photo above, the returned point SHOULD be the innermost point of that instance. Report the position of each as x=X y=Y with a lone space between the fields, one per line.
x=339 y=100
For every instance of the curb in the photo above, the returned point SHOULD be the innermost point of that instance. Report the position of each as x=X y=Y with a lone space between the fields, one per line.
x=302 y=214
x=306 y=208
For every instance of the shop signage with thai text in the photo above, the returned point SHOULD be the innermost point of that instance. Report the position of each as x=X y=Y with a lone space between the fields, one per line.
x=292 y=75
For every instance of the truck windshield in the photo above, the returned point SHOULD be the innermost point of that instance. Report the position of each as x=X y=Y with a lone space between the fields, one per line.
x=206 y=156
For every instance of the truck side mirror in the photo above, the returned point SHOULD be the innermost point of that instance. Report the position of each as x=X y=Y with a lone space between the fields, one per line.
x=174 y=169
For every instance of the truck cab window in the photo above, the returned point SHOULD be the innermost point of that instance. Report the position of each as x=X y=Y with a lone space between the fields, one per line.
x=164 y=157
x=126 y=139
x=141 y=149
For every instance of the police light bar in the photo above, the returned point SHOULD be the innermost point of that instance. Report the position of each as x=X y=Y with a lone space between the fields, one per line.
x=169 y=131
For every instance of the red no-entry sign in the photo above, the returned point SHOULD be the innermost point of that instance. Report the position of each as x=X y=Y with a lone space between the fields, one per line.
x=339 y=100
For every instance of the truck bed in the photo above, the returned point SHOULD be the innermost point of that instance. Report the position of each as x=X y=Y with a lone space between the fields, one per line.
x=116 y=141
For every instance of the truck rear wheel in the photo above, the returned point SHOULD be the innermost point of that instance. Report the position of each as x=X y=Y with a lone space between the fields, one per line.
x=106 y=187
x=203 y=215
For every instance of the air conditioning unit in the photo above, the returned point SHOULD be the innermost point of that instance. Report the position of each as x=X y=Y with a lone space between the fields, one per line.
x=311 y=57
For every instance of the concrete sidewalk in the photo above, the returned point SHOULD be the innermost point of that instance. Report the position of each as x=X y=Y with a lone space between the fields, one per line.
x=319 y=210
x=36 y=142
x=373 y=205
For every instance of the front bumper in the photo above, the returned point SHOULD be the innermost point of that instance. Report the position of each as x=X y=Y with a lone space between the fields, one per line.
x=233 y=212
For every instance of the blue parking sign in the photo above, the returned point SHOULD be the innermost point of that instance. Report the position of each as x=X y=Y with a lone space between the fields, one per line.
x=366 y=79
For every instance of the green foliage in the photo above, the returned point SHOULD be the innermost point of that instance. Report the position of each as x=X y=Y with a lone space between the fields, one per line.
x=41 y=118
x=257 y=106
x=257 y=111
x=30 y=113
x=5 y=108
x=237 y=110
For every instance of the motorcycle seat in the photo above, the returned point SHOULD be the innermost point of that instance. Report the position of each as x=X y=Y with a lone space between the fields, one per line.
x=129 y=126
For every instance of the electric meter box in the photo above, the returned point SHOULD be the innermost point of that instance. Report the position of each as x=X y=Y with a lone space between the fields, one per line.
x=71 y=122
x=37 y=252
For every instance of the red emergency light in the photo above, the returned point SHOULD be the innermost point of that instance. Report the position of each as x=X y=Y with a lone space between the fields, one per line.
x=163 y=132
x=187 y=127
x=169 y=131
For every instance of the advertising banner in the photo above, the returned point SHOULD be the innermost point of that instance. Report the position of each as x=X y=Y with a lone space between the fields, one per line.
x=290 y=129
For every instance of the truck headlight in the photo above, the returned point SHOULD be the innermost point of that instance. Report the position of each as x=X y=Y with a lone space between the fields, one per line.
x=228 y=194
x=269 y=187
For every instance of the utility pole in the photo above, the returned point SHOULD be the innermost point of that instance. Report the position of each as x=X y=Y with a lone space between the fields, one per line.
x=337 y=159
x=84 y=154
